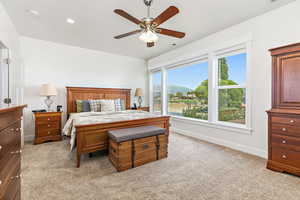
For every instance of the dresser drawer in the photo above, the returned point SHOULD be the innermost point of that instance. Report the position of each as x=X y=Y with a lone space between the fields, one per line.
x=9 y=118
x=48 y=132
x=286 y=142
x=286 y=120
x=286 y=130
x=10 y=178
x=286 y=156
x=10 y=140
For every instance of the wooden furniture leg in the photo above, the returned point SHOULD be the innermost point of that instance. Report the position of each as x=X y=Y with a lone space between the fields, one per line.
x=78 y=160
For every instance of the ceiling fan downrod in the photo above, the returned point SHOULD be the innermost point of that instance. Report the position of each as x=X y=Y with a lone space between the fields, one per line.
x=148 y=3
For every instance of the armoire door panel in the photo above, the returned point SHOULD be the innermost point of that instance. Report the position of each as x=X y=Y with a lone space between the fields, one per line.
x=290 y=68
x=287 y=82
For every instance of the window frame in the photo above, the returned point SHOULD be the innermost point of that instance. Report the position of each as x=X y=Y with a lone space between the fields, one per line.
x=242 y=45
x=201 y=59
x=151 y=90
x=217 y=87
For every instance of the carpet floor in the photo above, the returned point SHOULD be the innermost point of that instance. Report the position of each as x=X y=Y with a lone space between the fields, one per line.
x=194 y=170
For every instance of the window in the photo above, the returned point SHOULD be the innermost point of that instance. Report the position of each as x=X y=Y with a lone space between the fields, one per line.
x=188 y=91
x=232 y=88
x=211 y=90
x=157 y=92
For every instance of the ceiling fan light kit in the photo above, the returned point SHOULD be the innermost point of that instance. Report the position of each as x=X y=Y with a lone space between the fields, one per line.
x=149 y=26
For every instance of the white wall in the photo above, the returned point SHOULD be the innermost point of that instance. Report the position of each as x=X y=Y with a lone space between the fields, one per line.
x=62 y=65
x=276 y=28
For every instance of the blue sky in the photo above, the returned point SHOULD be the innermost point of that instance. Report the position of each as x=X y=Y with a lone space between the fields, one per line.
x=192 y=75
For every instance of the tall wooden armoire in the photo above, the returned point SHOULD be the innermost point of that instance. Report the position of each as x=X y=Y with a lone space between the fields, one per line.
x=284 y=117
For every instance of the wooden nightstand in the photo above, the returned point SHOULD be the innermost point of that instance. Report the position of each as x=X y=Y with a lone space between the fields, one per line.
x=47 y=127
x=147 y=109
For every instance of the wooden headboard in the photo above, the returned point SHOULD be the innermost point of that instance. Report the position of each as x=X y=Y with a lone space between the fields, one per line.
x=85 y=93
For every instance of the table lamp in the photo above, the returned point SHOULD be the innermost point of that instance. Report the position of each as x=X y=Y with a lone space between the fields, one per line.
x=139 y=94
x=48 y=90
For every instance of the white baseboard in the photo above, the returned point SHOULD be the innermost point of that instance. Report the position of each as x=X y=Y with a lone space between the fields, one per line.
x=246 y=149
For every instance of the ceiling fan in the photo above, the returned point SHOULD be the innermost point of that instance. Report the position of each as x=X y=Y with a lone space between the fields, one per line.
x=149 y=27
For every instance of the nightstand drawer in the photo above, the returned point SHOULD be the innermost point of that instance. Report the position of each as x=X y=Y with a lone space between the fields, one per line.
x=48 y=126
x=51 y=132
x=47 y=119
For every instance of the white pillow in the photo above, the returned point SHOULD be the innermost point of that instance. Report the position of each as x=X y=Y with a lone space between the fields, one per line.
x=108 y=105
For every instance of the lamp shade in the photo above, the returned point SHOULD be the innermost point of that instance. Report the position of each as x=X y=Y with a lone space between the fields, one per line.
x=48 y=90
x=138 y=92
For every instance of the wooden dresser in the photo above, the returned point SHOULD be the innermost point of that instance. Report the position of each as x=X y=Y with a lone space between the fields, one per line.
x=284 y=117
x=10 y=152
x=47 y=126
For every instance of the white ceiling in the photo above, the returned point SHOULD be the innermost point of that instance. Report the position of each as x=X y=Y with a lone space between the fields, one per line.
x=96 y=23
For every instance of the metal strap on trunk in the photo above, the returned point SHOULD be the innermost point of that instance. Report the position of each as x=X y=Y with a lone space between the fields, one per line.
x=157 y=147
x=132 y=153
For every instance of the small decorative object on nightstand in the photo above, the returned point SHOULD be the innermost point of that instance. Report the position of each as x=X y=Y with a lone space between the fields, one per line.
x=48 y=90
x=47 y=126
x=139 y=94
x=147 y=109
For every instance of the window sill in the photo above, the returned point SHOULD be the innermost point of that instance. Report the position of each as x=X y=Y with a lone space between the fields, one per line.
x=219 y=125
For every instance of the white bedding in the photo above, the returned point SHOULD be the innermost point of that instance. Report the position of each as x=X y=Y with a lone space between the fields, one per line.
x=101 y=117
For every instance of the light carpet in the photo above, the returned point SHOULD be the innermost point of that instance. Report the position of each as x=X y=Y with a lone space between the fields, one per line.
x=194 y=170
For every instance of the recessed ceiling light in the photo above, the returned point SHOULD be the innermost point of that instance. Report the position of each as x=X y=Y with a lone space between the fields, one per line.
x=33 y=12
x=70 y=21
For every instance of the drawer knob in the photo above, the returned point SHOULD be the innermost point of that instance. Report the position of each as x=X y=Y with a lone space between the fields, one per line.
x=283 y=142
x=0 y=182
x=49 y=132
x=0 y=147
x=284 y=156
x=292 y=121
x=283 y=129
x=48 y=119
x=15 y=177
x=48 y=125
x=16 y=152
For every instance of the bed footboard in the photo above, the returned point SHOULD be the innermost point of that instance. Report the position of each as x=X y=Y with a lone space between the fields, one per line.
x=94 y=137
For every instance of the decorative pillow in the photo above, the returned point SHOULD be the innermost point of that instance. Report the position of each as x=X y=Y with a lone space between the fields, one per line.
x=118 y=105
x=123 y=107
x=79 y=106
x=108 y=105
x=86 y=106
x=95 y=105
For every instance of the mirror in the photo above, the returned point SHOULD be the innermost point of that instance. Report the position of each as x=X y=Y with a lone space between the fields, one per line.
x=5 y=99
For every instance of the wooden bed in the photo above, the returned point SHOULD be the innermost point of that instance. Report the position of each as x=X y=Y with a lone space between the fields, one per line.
x=93 y=137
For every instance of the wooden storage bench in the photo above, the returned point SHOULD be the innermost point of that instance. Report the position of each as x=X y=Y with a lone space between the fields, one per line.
x=133 y=147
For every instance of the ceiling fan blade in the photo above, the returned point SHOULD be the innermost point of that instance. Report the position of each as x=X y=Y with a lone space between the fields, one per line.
x=127 y=34
x=164 y=16
x=150 y=44
x=127 y=16
x=171 y=33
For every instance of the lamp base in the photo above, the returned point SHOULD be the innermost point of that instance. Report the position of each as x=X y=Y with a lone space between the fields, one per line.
x=48 y=102
x=140 y=100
